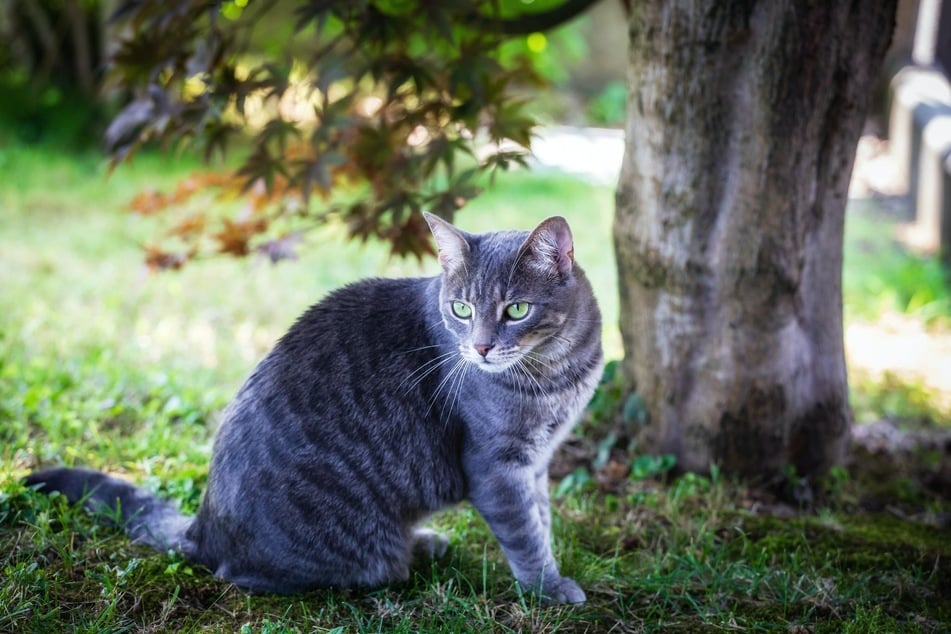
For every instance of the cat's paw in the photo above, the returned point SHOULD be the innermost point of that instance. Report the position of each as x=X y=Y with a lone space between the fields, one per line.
x=428 y=544
x=561 y=590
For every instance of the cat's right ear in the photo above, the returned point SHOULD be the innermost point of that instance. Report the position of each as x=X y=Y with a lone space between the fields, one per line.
x=451 y=243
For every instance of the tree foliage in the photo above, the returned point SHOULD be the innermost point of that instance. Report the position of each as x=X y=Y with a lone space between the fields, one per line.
x=372 y=112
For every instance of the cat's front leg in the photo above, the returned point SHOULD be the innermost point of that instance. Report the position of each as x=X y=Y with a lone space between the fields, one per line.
x=507 y=498
x=542 y=499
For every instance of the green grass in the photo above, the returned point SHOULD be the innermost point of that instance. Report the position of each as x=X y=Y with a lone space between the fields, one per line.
x=880 y=276
x=105 y=365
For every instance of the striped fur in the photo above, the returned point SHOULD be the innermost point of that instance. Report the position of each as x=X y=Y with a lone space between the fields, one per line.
x=376 y=409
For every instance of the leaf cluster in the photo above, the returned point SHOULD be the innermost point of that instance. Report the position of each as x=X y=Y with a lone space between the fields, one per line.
x=377 y=111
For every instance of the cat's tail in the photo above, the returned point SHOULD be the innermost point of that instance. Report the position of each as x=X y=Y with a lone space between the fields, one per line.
x=146 y=518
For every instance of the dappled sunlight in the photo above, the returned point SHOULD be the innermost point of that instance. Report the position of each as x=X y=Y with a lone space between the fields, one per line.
x=172 y=332
x=203 y=341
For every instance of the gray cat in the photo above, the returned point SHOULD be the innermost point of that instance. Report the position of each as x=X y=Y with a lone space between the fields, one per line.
x=385 y=402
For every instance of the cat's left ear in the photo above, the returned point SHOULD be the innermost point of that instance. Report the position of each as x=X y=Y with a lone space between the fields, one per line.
x=451 y=243
x=550 y=247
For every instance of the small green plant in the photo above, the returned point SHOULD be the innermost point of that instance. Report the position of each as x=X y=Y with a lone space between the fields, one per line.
x=649 y=466
x=575 y=482
x=835 y=484
x=603 y=408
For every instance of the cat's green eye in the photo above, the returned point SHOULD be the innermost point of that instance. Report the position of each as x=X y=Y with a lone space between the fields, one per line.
x=518 y=310
x=461 y=310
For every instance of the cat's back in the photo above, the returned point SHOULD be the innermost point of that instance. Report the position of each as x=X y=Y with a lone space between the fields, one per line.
x=349 y=365
x=395 y=309
x=360 y=349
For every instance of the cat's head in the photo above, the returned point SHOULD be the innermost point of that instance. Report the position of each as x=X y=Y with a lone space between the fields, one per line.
x=506 y=294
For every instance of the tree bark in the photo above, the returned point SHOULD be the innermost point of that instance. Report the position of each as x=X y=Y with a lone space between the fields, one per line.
x=743 y=118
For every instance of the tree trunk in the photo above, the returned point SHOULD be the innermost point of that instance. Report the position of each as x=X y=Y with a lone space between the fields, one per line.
x=743 y=119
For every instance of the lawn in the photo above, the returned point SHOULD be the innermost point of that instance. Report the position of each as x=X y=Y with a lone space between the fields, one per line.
x=104 y=364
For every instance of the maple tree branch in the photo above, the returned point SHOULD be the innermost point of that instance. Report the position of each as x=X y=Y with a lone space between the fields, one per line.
x=526 y=23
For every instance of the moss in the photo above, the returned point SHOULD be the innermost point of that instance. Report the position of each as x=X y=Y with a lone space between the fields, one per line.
x=846 y=562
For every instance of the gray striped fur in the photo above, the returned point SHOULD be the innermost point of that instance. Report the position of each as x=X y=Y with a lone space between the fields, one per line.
x=376 y=409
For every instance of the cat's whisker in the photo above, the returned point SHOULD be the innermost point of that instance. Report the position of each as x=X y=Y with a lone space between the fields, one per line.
x=517 y=368
x=450 y=382
x=543 y=367
x=426 y=369
x=429 y=372
x=455 y=390
x=520 y=368
x=411 y=350
x=452 y=371
x=526 y=363
x=540 y=359
x=541 y=355
x=562 y=339
x=536 y=385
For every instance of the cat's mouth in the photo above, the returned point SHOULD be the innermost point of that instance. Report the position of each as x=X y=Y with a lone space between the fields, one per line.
x=490 y=366
x=494 y=361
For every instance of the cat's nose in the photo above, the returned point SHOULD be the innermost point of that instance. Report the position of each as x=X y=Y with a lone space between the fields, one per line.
x=483 y=348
